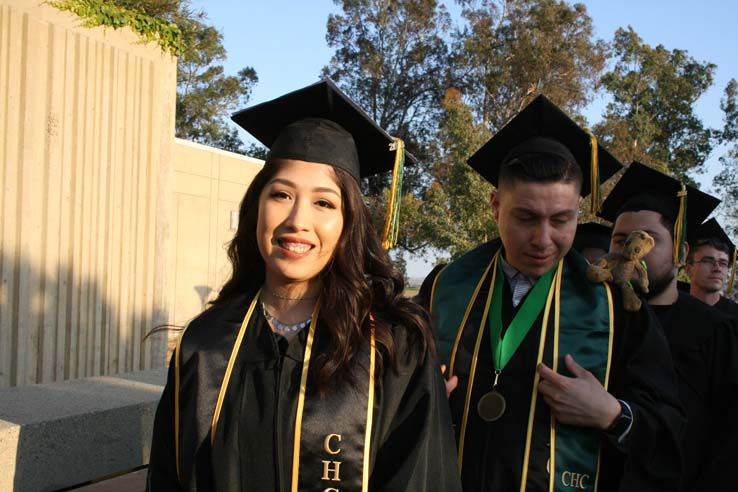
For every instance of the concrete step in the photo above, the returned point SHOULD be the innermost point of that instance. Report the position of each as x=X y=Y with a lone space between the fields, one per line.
x=130 y=482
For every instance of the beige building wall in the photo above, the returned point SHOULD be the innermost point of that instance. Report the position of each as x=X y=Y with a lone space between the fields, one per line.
x=208 y=185
x=86 y=126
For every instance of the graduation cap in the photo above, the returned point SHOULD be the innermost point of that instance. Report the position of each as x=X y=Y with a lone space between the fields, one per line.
x=592 y=235
x=542 y=128
x=644 y=188
x=319 y=123
x=712 y=230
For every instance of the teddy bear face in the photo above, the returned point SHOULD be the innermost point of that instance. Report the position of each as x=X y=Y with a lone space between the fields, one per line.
x=637 y=245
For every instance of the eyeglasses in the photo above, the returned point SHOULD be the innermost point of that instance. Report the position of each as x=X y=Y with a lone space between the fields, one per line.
x=711 y=262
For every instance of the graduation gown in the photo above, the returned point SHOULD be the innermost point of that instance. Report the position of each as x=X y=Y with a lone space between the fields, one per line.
x=411 y=446
x=641 y=374
x=727 y=306
x=704 y=349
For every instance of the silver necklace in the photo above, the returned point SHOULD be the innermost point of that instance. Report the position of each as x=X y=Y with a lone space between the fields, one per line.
x=285 y=298
x=283 y=327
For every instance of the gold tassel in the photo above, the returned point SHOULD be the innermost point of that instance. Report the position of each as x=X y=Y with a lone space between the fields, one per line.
x=392 y=218
x=680 y=226
x=595 y=196
x=732 y=270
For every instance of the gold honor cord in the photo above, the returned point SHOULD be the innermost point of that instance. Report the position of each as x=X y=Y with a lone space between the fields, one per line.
x=301 y=398
x=433 y=289
x=611 y=314
x=536 y=377
x=229 y=367
x=472 y=372
x=554 y=368
x=176 y=401
x=468 y=310
x=369 y=411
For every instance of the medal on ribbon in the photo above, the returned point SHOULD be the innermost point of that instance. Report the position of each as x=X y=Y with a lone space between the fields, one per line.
x=491 y=406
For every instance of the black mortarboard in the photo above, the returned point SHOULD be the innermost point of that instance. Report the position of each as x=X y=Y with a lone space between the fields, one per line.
x=543 y=128
x=319 y=123
x=592 y=235
x=644 y=188
x=294 y=126
x=712 y=230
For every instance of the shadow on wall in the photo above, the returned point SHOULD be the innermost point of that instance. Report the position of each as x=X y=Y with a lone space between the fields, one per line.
x=57 y=323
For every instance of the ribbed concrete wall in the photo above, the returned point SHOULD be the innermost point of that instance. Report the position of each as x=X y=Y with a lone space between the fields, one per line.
x=207 y=186
x=86 y=126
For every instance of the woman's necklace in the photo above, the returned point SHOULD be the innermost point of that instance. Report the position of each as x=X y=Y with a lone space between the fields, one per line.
x=283 y=327
x=285 y=298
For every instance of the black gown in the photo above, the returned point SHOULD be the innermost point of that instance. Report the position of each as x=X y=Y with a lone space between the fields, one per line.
x=642 y=374
x=705 y=353
x=412 y=445
x=727 y=306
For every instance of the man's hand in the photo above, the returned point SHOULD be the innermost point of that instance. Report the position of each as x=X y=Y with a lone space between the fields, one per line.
x=580 y=400
x=451 y=383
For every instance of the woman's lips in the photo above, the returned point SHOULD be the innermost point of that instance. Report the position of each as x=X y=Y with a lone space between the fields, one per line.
x=294 y=248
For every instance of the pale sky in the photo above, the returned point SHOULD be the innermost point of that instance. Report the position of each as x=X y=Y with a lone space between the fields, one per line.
x=284 y=40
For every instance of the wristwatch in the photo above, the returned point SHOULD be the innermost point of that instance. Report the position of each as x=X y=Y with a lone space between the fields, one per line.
x=621 y=424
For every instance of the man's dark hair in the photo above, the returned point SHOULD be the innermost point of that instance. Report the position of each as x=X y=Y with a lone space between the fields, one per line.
x=540 y=167
x=654 y=202
x=707 y=241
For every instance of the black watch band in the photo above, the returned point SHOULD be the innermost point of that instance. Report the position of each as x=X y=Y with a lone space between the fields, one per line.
x=622 y=422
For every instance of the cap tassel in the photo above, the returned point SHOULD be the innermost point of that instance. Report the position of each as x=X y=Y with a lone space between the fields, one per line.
x=680 y=226
x=392 y=219
x=732 y=270
x=594 y=176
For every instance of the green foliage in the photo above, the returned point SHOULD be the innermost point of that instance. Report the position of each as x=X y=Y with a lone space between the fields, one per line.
x=509 y=51
x=729 y=105
x=106 y=13
x=726 y=181
x=651 y=117
x=460 y=197
x=206 y=96
x=390 y=57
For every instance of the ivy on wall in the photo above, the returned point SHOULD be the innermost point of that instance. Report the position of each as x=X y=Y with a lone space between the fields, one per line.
x=105 y=13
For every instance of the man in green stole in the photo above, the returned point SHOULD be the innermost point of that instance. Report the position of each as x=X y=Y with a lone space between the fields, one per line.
x=558 y=388
x=702 y=339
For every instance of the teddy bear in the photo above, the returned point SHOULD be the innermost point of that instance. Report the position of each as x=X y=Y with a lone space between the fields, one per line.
x=624 y=267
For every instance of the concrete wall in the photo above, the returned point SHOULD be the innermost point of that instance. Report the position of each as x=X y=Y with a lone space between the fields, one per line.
x=207 y=186
x=109 y=225
x=86 y=131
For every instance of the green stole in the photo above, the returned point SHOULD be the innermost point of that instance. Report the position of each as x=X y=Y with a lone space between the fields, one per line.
x=585 y=331
x=331 y=448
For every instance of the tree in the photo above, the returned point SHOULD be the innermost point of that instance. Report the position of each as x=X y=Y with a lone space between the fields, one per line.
x=456 y=214
x=651 y=117
x=509 y=51
x=206 y=96
x=504 y=54
x=726 y=181
x=391 y=58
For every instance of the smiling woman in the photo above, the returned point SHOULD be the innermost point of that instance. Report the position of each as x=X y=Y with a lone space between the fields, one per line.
x=311 y=370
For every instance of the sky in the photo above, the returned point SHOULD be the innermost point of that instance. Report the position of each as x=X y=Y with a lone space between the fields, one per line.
x=284 y=41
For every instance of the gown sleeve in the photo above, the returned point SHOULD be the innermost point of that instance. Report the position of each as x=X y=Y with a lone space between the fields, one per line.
x=162 y=474
x=417 y=451
x=643 y=375
x=724 y=394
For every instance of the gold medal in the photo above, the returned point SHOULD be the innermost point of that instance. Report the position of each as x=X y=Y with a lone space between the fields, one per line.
x=491 y=406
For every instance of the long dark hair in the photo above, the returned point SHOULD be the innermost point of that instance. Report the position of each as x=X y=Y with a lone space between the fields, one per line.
x=359 y=280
